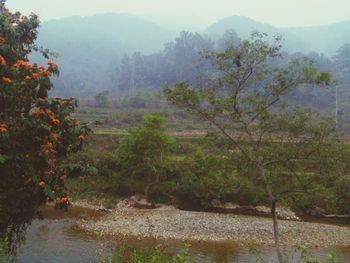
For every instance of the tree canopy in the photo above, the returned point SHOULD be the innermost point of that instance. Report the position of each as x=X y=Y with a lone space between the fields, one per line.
x=36 y=131
x=145 y=151
x=244 y=98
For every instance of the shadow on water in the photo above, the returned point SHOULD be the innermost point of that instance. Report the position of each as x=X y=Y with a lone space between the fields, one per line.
x=55 y=238
x=220 y=252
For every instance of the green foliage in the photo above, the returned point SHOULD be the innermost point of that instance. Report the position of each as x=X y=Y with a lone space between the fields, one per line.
x=180 y=59
x=101 y=99
x=5 y=256
x=205 y=181
x=157 y=254
x=144 y=151
x=245 y=101
x=202 y=172
x=342 y=194
x=36 y=131
x=307 y=257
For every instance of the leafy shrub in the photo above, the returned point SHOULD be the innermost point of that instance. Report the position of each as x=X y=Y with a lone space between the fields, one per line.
x=205 y=181
x=157 y=254
x=145 y=150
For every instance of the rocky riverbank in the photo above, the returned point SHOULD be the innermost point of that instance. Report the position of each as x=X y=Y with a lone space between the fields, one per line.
x=167 y=222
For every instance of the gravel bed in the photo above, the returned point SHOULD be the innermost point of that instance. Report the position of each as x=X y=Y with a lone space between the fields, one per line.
x=170 y=223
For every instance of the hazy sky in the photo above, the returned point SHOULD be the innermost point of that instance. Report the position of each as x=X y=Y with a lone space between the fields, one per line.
x=198 y=12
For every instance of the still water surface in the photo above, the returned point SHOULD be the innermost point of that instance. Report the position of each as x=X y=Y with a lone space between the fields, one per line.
x=55 y=239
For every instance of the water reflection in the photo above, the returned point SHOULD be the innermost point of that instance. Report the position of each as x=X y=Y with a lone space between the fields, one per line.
x=17 y=210
x=56 y=239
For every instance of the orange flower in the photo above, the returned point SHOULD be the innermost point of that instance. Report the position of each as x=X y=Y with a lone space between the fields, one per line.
x=39 y=112
x=2 y=40
x=2 y=61
x=36 y=75
x=49 y=145
x=52 y=64
x=6 y=80
x=75 y=123
x=63 y=200
x=42 y=184
x=55 y=121
x=46 y=73
x=27 y=78
x=81 y=138
x=3 y=128
x=20 y=63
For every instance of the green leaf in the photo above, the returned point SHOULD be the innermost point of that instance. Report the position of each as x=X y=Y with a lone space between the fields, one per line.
x=3 y=159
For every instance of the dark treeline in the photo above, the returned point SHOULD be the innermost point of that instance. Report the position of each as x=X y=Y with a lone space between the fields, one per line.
x=88 y=61
x=182 y=60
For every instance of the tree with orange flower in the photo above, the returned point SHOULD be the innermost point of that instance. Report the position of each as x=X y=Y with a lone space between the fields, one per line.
x=36 y=131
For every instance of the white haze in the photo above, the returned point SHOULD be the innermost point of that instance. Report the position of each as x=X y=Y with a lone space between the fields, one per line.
x=196 y=14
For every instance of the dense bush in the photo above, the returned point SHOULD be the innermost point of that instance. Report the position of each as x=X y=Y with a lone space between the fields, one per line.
x=157 y=254
x=145 y=150
x=205 y=181
x=202 y=175
x=342 y=194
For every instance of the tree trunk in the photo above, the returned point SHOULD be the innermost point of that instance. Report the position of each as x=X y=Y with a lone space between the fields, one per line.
x=276 y=232
x=148 y=186
x=273 y=202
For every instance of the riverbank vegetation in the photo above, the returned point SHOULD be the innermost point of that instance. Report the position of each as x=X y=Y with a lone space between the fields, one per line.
x=231 y=130
x=201 y=174
x=160 y=254
x=284 y=153
x=36 y=131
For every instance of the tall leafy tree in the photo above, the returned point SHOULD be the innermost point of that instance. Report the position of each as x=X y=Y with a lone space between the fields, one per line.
x=244 y=100
x=228 y=39
x=145 y=151
x=35 y=131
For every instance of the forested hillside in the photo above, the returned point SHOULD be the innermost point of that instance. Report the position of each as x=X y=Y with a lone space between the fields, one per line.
x=89 y=47
x=124 y=54
x=157 y=138
x=324 y=39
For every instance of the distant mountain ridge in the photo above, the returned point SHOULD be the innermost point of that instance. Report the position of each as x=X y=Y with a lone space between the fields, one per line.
x=90 y=48
x=325 y=39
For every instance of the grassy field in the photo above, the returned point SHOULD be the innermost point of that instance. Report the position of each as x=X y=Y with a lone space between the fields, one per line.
x=112 y=120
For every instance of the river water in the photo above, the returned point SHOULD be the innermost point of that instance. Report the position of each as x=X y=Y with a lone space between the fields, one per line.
x=56 y=239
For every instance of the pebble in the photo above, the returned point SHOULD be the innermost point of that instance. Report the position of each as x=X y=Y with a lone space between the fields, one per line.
x=167 y=222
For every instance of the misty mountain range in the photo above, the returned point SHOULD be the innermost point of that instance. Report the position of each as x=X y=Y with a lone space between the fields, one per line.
x=90 y=48
x=326 y=39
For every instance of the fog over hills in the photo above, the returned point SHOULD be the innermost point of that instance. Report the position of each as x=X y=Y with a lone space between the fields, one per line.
x=322 y=39
x=90 y=48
